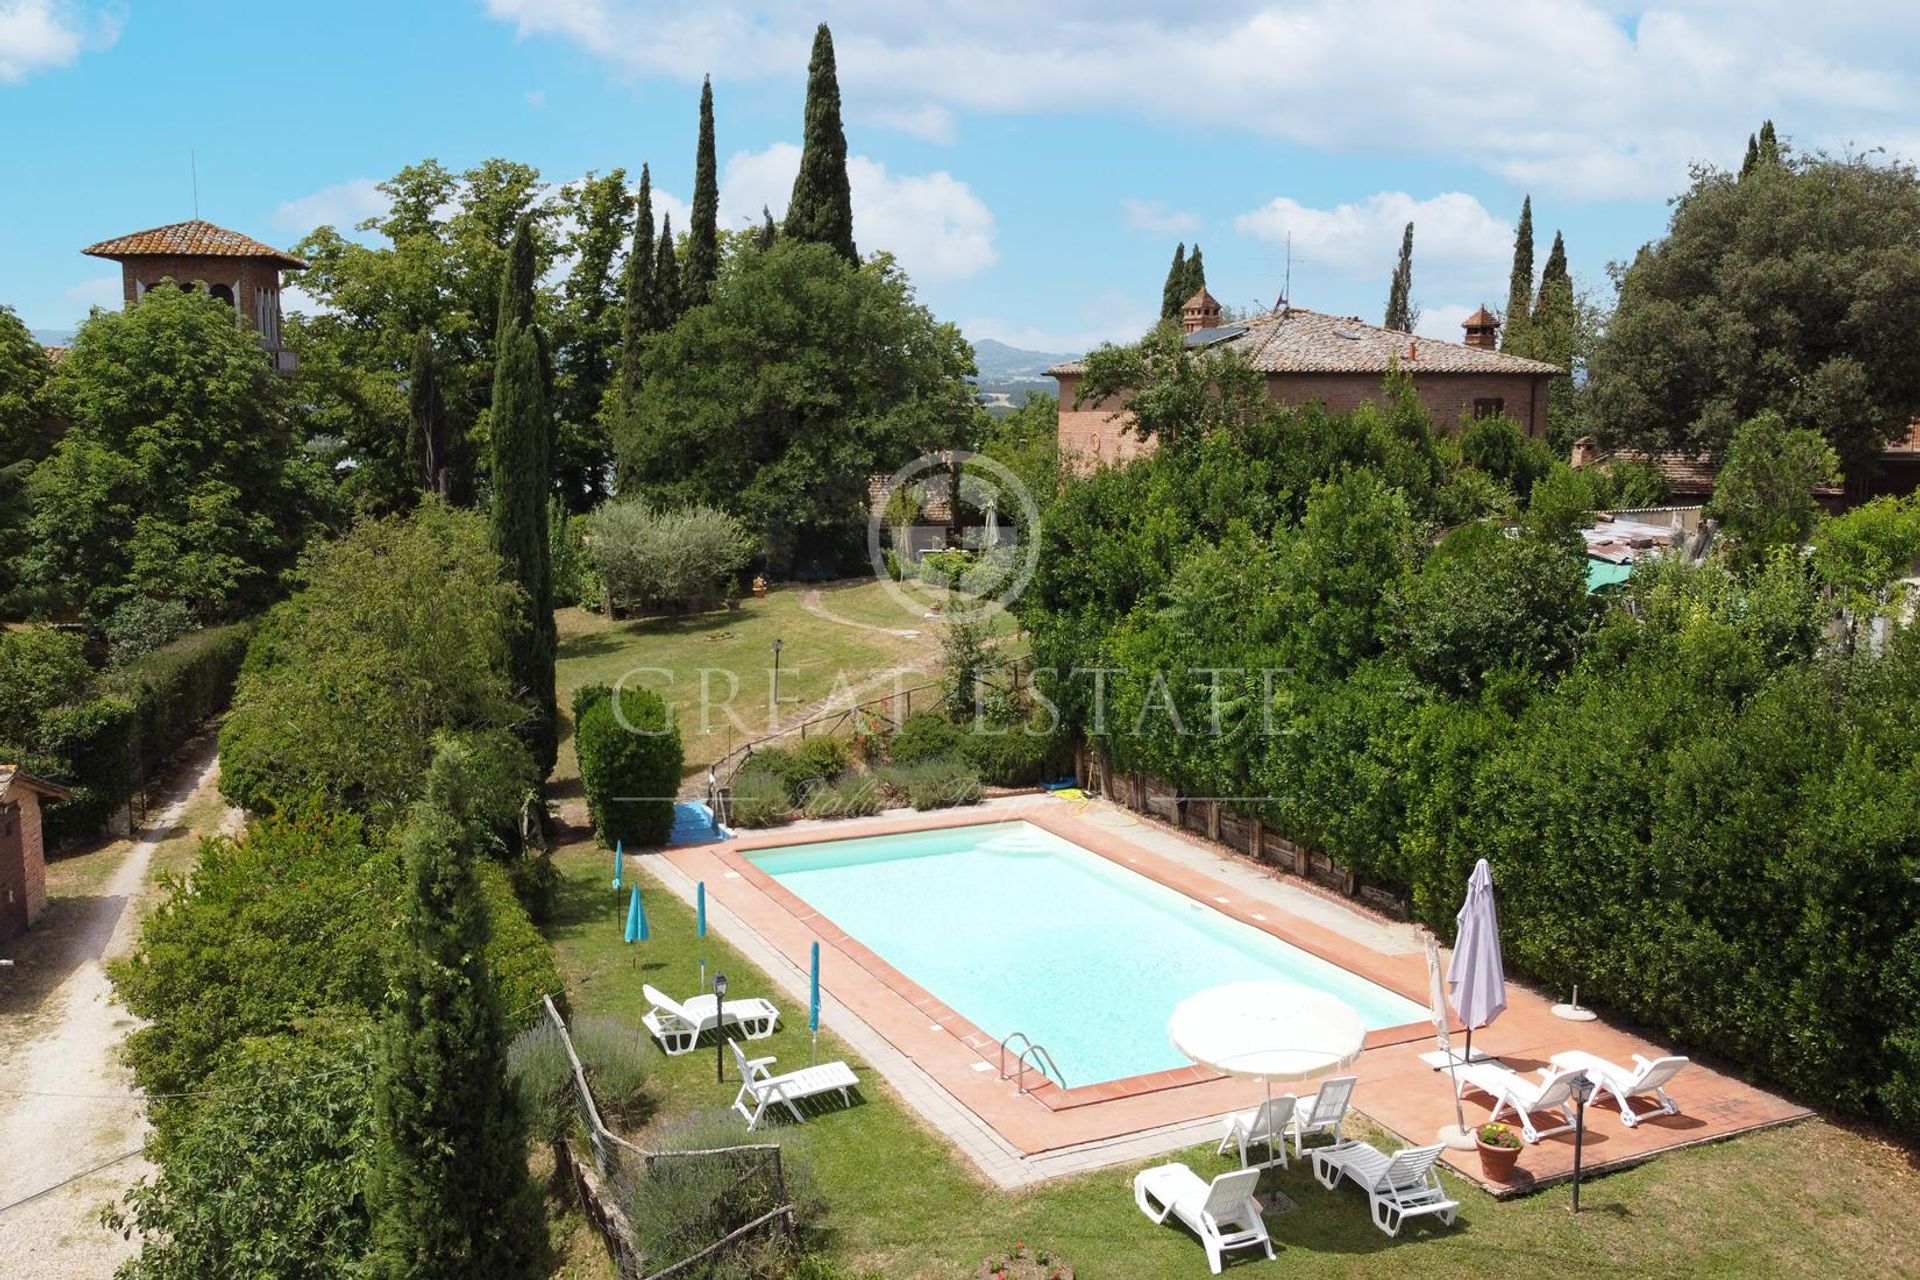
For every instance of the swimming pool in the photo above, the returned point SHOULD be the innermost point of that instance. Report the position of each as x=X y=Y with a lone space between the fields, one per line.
x=1018 y=929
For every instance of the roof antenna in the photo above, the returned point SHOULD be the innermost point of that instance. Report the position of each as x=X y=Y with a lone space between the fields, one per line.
x=193 y=167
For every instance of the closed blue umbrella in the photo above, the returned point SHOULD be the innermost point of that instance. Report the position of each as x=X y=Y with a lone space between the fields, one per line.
x=700 y=901
x=618 y=859
x=1476 y=980
x=637 y=930
x=813 y=1003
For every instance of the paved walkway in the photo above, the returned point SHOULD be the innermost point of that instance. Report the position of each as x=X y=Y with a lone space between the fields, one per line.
x=71 y=1126
x=947 y=1067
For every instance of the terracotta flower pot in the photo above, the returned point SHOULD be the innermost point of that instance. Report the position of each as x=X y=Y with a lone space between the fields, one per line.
x=1497 y=1162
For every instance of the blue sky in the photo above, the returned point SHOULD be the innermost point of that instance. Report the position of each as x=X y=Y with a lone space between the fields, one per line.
x=1032 y=165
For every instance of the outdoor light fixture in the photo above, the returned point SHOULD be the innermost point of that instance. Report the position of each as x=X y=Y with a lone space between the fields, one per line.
x=776 y=676
x=1582 y=1089
x=720 y=1035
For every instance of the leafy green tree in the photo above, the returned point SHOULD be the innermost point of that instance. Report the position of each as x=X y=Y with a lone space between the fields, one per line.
x=666 y=558
x=268 y=1176
x=448 y=1188
x=1343 y=568
x=176 y=477
x=587 y=335
x=1520 y=284
x=1500 y=448
x=821 y=207
x=26 y=436
x=1400 y=311
x=348 y=680
x=778 y=412
x=1792 y=290
x=522 y=477
x=435 y=264
x=40 y=669
x=703 y=242
x=1764 y=495
x=1863 y=554
x=1172 y=392
x=1485 y=604
x=1171 y=299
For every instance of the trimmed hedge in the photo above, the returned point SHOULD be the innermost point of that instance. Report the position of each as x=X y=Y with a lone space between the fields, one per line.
x=630 y=771
x=114 y=743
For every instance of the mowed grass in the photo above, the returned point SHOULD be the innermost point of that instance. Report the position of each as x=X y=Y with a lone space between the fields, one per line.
x=1813 y=1199
x=722 y=662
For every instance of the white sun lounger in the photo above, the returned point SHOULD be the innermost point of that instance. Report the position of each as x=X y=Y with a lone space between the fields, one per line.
x=1322 y=1112
x=1222 y=1213
x=1513 y=1092
x=1649 y=1075
x=760 y=1088
x=678 y=1025
x=1404 y=1185
x=1266 y=1123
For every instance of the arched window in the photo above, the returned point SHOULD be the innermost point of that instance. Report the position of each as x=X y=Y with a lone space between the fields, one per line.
x=224 y=292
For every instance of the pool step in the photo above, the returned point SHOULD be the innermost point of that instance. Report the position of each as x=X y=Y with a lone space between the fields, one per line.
x=693 y=823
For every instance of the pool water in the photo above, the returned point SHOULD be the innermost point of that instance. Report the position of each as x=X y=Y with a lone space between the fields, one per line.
x=1020 y=930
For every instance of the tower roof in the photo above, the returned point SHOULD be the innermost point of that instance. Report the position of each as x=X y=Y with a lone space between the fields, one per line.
x=1480 y=319
x=192 y=239
x=1201 y=299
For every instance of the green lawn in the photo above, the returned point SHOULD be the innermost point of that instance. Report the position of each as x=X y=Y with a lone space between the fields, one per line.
x=1811 y=1199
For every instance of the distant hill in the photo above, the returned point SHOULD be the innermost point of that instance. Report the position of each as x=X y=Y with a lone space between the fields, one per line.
x=1000 y=363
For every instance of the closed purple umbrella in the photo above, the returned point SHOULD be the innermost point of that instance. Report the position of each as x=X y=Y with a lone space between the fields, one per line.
x=1477 y=979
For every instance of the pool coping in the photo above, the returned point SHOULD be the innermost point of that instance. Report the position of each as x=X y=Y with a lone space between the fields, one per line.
x=1372 y=967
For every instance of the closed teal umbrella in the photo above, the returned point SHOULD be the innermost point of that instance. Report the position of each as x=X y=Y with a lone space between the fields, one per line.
x=618 y=858
x=637 y=930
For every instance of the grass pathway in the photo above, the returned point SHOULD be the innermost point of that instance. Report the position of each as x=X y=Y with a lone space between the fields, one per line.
x=67 y=1105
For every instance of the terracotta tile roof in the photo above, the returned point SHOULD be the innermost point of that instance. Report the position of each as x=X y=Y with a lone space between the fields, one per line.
x=1907 y=444
x=1688 y=475
x=1479 y=319
x=12 y=773
x=1202 y=299
x=1296 y=340
x=196 y=238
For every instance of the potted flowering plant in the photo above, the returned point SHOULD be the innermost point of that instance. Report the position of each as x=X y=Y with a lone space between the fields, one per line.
x=1499 y=1150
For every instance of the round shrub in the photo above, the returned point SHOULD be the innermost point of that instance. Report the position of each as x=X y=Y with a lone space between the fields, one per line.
x=630 y=762
x=760 y=798
x=926 y=735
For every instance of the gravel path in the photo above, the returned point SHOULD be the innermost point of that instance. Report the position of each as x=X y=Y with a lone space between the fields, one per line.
x=68 y=1114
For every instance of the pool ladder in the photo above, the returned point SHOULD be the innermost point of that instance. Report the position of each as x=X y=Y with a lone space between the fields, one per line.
x=1042 y=1060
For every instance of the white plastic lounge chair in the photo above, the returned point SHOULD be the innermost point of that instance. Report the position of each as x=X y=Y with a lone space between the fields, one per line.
x=1222 y=1213
x=1649 y=1075
x=760 y=1088
x=1322 y=1112
x=678 y=1025
x=1399 y=1187
x=1513 y=1092
x=1266 y=1123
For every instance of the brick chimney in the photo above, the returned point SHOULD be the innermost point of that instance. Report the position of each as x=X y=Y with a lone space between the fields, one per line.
x=1482 y=329
x=1200 y=312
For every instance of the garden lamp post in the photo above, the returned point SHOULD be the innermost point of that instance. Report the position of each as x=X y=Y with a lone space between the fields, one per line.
x=1582 y=1088
x=776 y=679
x=720 y=1027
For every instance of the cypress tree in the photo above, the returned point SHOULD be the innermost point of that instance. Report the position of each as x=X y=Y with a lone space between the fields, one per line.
x=522 y=431
x=642 y=304
x=1196 y=275
x=1400 y=289
x=428 y=411
x=768 y=234
x=1551 y=338
x=1171 y=298
x=703 y=240
x=1769 y=147
x=448 y=1189
x=1520 y=285
x=821 y=209
x=666 y=276
x=1753 y=156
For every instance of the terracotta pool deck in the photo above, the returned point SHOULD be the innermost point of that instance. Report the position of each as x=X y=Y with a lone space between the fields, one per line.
x=1397 y=1090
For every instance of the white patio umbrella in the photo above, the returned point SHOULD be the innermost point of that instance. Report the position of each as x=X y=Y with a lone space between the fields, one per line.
x=1477 y=977
x=1455 y=1135
x=1274 y=1030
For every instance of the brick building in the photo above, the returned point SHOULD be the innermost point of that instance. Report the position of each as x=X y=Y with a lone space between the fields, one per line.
x=1339 y=362
x=238 y=270
x=23 y=859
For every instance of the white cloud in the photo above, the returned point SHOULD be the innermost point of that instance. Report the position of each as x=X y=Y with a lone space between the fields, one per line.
x=928 y=123
x=1443 y=320
x=1152 y=215
x=1582 y=97
x=341 y=206
x=1453 y=234
x=933 y=222
x=37 y=34
x=100 y=291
